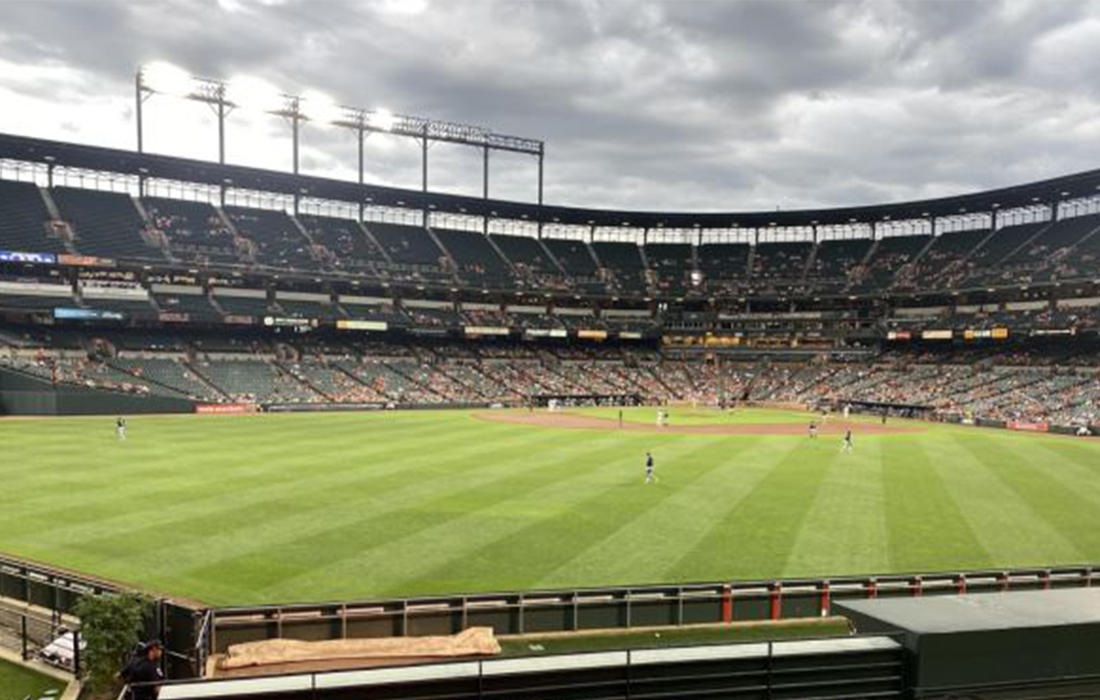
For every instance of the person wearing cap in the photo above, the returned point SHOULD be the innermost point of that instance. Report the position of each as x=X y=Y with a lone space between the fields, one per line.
x=145 y=669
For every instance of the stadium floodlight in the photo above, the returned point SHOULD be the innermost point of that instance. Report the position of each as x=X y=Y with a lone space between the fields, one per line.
x=382 y=119
x=167 y=79
x=248 y=92
x=258 y=95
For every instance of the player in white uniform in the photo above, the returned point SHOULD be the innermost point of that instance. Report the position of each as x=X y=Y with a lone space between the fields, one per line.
x=120 y=428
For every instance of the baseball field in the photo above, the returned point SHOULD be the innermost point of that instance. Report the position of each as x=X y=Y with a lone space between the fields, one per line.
x=310 y=507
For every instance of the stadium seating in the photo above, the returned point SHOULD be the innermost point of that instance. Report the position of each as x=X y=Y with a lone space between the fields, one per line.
x=725 y=266
x=835 y=261
x=347 y=246
x=408 y=245
x=942 y=263
x=625 y=262
x=478 y=261
x=105 y=224
x=24 y=221
x=531 y=260
x=275 y=239
x=888 y=257
x=194 y=230
x=672 y=265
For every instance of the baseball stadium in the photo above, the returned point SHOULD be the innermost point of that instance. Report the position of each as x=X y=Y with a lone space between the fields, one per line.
x=360 y=441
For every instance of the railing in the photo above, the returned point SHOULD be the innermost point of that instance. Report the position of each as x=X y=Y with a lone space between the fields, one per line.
x=846 y=667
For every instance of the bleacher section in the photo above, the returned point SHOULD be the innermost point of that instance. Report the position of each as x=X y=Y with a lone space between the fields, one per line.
x=478 y=262
x=781 y=262
x=104 y=224
x=194 y=230
x=981 y=265
x=24 y=220
x=197 y=307
x=407 y=245
x=942 y=263
x=254 y=380
x=672 y=266
x=346 y=245
x=724 y=266
x=625 y=262
x=276 y=240
x=890 y=255
x=834 y=261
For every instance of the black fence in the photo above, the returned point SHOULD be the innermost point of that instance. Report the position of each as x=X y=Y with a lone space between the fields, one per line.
x=849 y=667
x=37 y=603
x=44 y=636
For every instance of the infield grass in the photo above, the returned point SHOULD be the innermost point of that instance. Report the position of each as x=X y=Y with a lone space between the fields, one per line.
x=309 y=507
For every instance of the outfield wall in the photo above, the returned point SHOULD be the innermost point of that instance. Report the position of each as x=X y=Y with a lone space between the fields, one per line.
x=541 y=612
x=25 y=395
x=191 y=632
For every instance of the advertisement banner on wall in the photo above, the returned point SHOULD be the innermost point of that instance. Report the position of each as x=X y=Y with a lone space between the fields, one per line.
x=17 y=256
x=84 y=261
x=226 y=408
x=351 y=324
x=592 y=335
x=65 y=313
x=1030 y=427
x=936 y=335
x=486 y=330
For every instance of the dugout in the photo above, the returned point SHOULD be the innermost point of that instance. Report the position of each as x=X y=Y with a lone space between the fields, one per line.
x=902 y=410
x=1026 y=644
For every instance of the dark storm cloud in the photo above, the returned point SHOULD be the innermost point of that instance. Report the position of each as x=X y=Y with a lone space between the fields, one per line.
x=650 y=105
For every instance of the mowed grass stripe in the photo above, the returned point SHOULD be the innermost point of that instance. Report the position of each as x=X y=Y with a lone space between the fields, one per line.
x=281 y=517
x=757 y=533
x=225 y=487
x=189 y=478
x=844 y=528
x=551 y=541
x=137 y=545
x=273 y=508
x=1007 y=526
x=1062 y=507
x=406 y=544
x=926 y=528
x=642 y=548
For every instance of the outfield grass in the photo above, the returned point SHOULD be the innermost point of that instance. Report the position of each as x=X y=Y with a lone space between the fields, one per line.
x=17 y=682
x=574 y=642
x=278 y=508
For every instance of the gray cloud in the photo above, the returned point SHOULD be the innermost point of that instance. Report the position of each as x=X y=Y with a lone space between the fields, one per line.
x=699 y=104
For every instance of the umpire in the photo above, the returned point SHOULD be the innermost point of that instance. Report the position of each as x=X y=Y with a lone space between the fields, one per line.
x=144 y=671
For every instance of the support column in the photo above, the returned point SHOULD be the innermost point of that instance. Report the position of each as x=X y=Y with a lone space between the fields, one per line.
x=138 y=99
x=542 y=158
x=362 y=137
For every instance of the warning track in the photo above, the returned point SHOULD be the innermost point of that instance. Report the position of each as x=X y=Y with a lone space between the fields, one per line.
x=581 y=422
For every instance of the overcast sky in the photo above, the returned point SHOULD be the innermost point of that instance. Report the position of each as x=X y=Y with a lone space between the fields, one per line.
x=682 y=105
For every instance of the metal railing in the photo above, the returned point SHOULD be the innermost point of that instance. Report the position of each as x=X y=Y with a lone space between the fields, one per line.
x=846 y=667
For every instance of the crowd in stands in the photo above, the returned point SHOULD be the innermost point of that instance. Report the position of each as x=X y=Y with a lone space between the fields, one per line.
x=1055 y=383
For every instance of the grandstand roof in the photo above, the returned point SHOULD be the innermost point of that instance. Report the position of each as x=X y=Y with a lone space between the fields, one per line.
x=119 y=161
